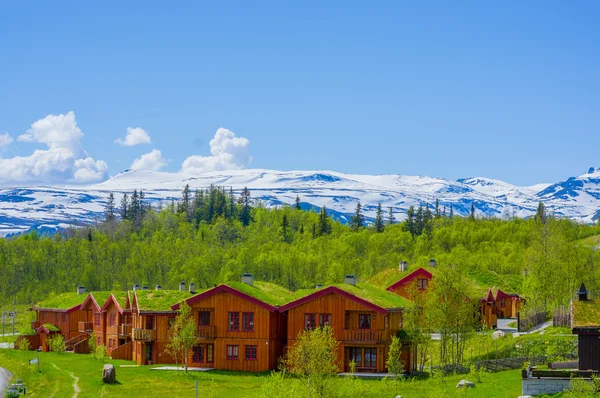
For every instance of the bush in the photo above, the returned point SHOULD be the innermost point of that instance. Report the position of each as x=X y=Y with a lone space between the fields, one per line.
x=57 y=343
x=92 y=344
x=100 y=353
x=24 y=345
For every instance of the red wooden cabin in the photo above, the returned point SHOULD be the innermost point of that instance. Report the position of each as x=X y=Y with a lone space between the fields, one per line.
x=419 y=278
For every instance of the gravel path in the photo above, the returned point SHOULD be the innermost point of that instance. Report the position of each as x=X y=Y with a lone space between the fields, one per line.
x=5 y=377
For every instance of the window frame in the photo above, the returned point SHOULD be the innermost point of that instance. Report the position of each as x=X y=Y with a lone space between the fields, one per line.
x=324 y=319
x=97 y=319
x=248 y=321
x=372 y=361
x=366 y=317
x=112 y=320
x=203 y=318
x=235 y=352
x=233 y=321
x=310 y=321
x=198 y=353
x=422 y=283
x=253 y=352
x=210 y=353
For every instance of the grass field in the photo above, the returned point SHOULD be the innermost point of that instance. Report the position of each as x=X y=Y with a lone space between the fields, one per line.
x=60 y=371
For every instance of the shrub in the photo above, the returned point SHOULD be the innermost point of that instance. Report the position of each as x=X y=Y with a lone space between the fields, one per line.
x=24 y=345
x=100 y=353
x=57 y=343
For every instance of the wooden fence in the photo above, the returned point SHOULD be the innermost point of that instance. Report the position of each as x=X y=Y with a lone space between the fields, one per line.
x=123 y=351
x=529 y=320
x=562 y=317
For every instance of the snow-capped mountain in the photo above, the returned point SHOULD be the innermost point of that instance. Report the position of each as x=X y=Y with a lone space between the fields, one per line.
x=51 y=208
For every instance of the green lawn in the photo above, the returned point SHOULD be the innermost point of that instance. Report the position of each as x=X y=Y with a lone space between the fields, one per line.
x=56 y=380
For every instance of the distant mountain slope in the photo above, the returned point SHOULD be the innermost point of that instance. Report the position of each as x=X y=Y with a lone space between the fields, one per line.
x=50 y=208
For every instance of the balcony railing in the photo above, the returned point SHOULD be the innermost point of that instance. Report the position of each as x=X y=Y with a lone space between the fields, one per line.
x=124 y=330
x=143 y=334
x=86 y=327
x=365 y=335
x=206 y=332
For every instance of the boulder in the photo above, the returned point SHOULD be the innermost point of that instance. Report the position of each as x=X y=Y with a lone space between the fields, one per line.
x=498 y=334
x=465 y=383
x=109 y=374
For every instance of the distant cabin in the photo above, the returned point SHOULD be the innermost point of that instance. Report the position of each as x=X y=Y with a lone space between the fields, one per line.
x=502 y=305
x=419 y=277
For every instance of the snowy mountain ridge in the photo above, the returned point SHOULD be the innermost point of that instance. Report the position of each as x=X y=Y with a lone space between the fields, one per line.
x=51 y=208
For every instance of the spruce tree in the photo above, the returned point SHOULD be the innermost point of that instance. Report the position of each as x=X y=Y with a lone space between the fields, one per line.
x=437 y=209
x=472 y=215
x=134 y=207
x=297 y=205
x=232 y=208
x=410 y=223
x=419 y=221
x=245 y=214
x=186 y=199
x=378 y=224
x=110 y=208
x=444 y=212
x=427 y=219
x=357 y=220
x=391 y=218
x=284 y=228
x=451 y=211
x=124 y=209
x=324 y=225
x=541 y=214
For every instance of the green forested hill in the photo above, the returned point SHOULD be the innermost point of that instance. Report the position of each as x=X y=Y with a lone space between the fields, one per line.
x=295 y=249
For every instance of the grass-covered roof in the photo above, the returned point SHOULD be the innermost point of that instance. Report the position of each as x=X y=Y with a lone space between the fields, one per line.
x=365 y=291
x=270 y=293
x=586 y=313
x=51 y=327
x=62 y=301
x=160 y=300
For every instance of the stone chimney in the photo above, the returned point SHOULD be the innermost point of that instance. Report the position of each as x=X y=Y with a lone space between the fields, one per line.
x=350 y=280
x=182 y=286
x=582 y=293
x=158 y=287
x=80 y=290
x=136 y=287
x=403 y=266
x=248 y=279
x=318 y=286
x=192 y=288
x=432 y=263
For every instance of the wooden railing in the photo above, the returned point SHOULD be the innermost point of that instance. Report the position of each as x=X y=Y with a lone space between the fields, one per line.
x=143 y=334
x=124 y=330
x=206 y=332
x=124 y=351
x=74 y=341
x=365 y=335
x=83 y=347
x=86 y=327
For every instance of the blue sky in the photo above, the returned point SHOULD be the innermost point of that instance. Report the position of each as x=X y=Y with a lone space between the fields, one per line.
x=508 y=91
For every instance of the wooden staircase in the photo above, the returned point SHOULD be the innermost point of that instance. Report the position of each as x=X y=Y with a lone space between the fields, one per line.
x=78 y=345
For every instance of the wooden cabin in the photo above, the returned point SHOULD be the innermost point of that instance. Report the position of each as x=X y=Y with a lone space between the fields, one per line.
x=60 y=314
x=419 y=279
x=117 y=317
x=585 y=323
x=500 y=306
x=151 y=315
x=239 y=326
x=363 y=323
x=487 y=309
x=94 y=321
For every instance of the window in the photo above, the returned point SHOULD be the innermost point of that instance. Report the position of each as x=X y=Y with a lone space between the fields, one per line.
x=248 y=321
x=204 y=318
x=210 y=348
x=386 y=322
x=309 y=321
x=112 y=319
x=502 y=303
x=371 y=357
x=232 y=351
x=346 y=320
x=324 y=319
x=422 y=284
x=356 y=356
x=99 y=340
x=97 y=319
x=250 y=352
x=149 y=322
x=198 y=354
x=233 y=321
x=364 y=321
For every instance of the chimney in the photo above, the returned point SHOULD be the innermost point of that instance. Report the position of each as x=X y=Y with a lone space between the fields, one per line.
x=350 y=280
x=192 y=288
x=136 y=287
x=248 y=279
x=80 y=290
x=432 y=263
x=158 y=287
x=403 y=266
x=318 y=286
x=182 y=287
x=144 y=287
x=582 y=293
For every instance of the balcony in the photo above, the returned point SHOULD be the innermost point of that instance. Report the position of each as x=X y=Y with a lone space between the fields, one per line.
x=365 y=335
x=206 y=332
x=143 y=334
x=86 y=327
x=124 y=330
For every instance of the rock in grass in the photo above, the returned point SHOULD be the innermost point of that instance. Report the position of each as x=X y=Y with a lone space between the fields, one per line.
x=109 y=374
x=465 y=383
x=498 y=334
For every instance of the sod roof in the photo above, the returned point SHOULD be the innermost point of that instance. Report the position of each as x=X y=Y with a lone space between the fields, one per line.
x=586 y=313
x=365 y=291
x=51 y=327
x=160 y=300
x=62 y=301
x=270 y=293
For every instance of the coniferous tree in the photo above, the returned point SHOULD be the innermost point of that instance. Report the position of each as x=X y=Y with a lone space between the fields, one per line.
x=232 y=208
x=110 y=208
x=410 y=223
x=357 y=220
x=284 y=228
x=391 y=218
x=134 y=207
x=419 y=221
x=451 y=211
x=185 y=205
x=427 y=219
x=472 y=215
x=378 y=224
x=541 y=214
x=437 y=209
x=324 y=225
x=245 y=214
x=444 y=212
x=297 y=205
x=124 y=209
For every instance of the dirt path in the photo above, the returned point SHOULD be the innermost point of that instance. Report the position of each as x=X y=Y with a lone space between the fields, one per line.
x=5 y=377
x=75 y=382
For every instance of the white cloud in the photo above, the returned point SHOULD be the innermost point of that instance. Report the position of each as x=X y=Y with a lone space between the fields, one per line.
x=65 y=160
x=150 y=161
x=5 y=140
x=135 y=136
x=228 y=153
